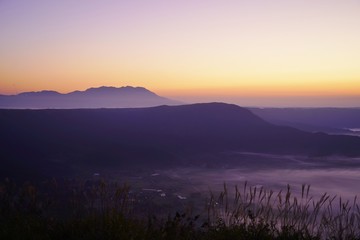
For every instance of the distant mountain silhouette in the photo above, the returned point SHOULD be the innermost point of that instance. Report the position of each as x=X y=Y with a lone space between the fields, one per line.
x=164 y=135
x=330 y=120
x=102 y=97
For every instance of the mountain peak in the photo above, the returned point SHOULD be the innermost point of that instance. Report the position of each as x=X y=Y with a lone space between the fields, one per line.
x=40 y=93
x=96 y=97
x=215 y=112
x=109 y=90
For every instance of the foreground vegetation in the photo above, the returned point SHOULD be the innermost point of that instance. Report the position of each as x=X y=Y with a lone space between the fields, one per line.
x=103 y=210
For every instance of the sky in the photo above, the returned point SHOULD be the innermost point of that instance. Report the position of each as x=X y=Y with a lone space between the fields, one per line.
x=253 y=53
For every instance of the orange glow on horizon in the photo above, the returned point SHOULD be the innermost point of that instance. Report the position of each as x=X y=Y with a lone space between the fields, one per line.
x=190 y=48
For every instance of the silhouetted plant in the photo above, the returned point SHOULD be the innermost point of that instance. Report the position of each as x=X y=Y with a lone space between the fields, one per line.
x=74 y=209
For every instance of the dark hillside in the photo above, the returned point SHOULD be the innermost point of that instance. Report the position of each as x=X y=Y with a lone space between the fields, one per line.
x=165 y=135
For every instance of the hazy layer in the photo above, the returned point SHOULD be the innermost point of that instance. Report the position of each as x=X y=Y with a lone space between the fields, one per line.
x=335 y=176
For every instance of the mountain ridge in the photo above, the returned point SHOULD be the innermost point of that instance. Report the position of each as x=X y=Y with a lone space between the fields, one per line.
x=95 y=97
x=91 y=89
x=330 y=120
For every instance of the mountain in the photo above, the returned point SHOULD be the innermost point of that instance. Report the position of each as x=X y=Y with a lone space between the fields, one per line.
x=102 y=97
x=156 y=136
x=330 y=120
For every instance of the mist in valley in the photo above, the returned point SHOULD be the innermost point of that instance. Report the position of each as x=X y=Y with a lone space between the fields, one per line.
x=336 y=176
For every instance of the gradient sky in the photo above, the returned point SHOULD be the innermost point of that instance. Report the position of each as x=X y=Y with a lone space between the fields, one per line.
x=254 y=53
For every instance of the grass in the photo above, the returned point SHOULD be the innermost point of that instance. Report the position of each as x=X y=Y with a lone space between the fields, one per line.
x=104 y=210
x=283 y=215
